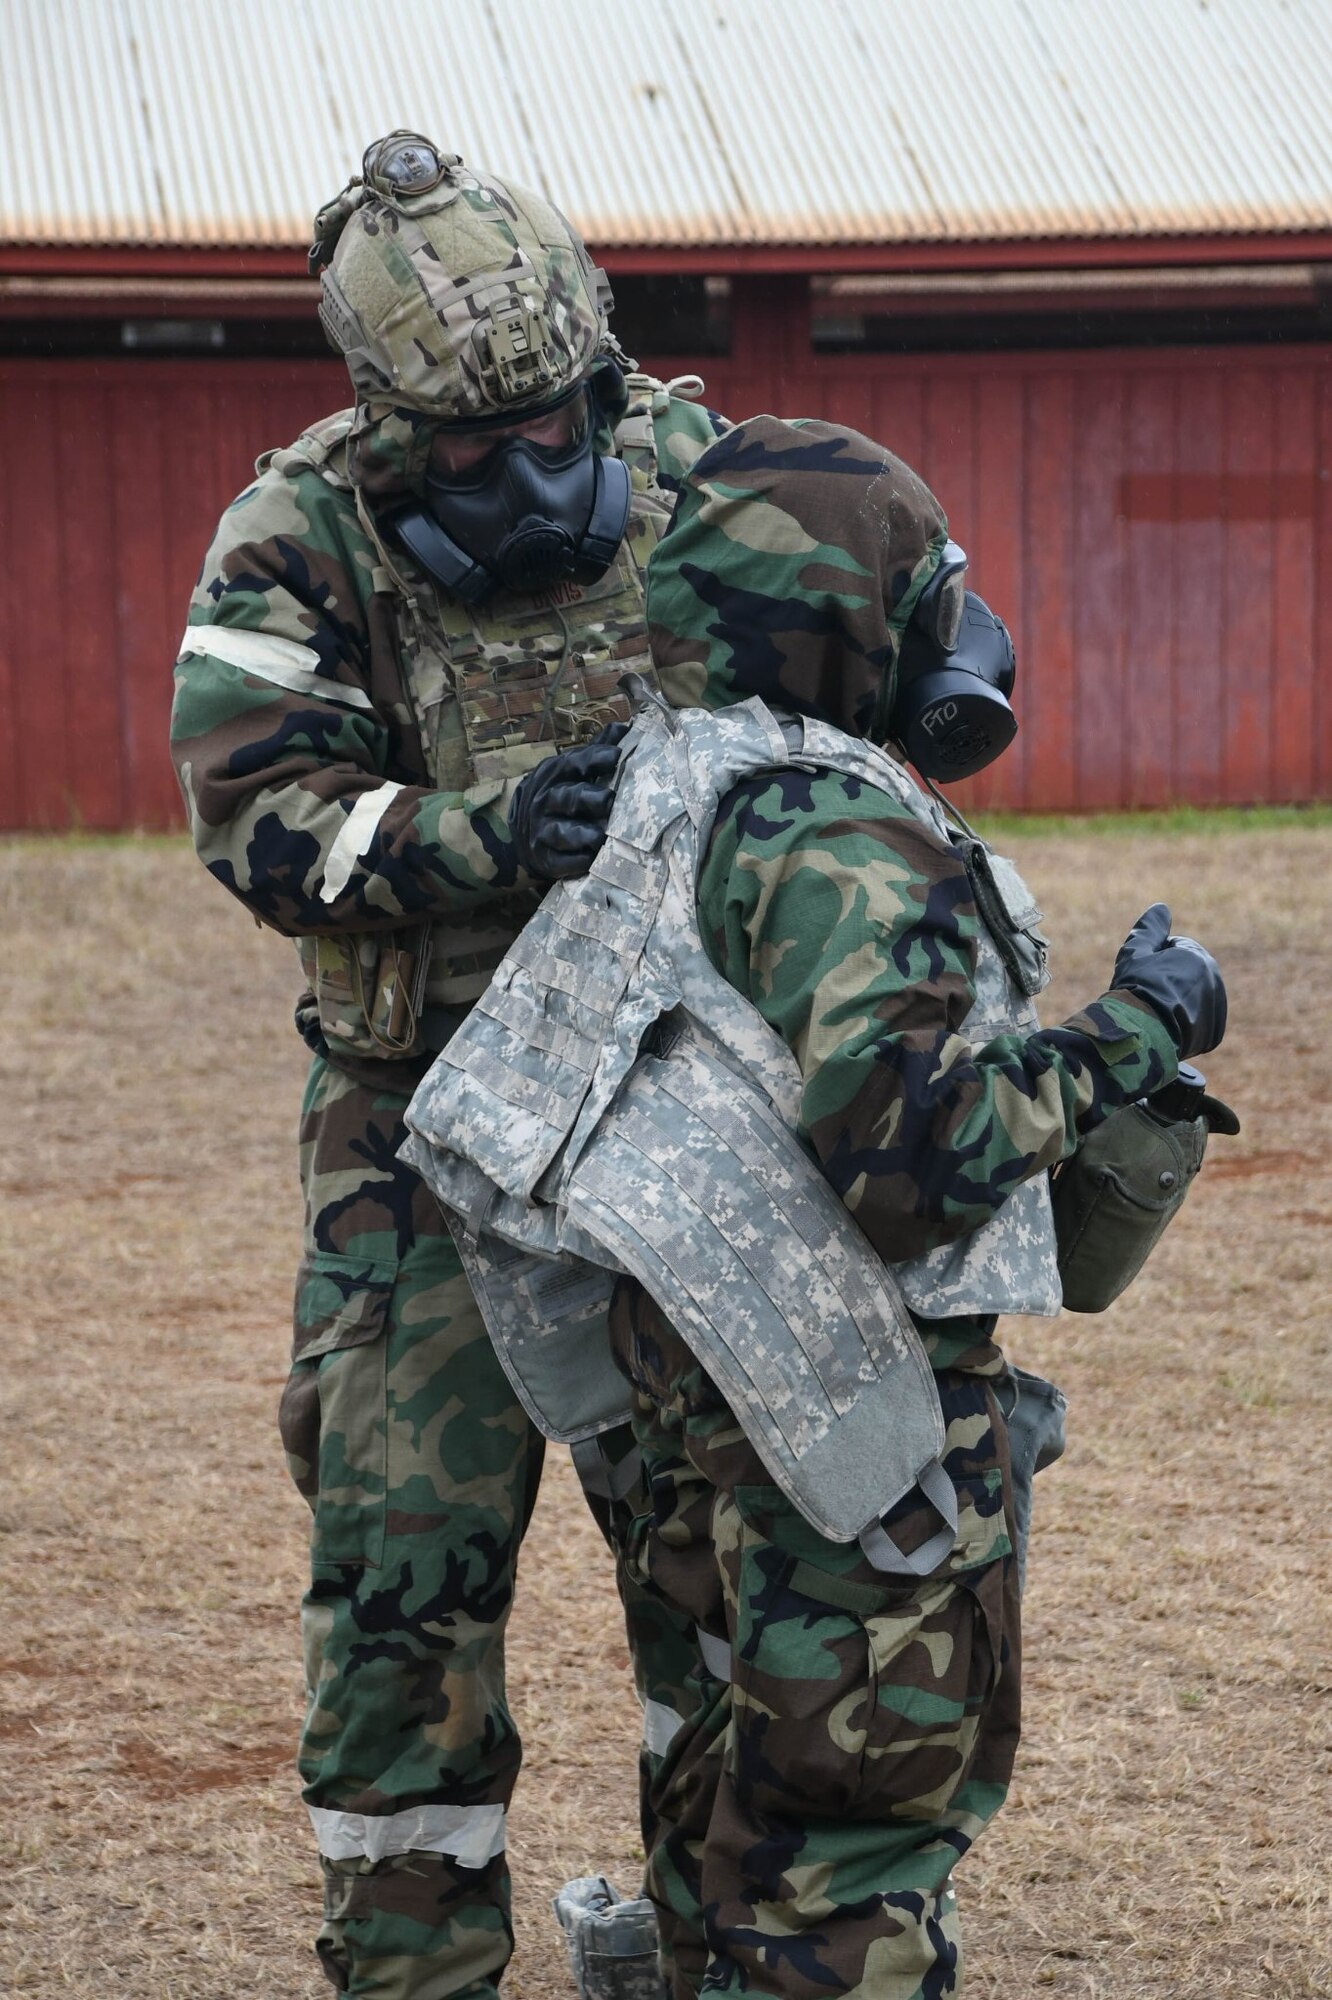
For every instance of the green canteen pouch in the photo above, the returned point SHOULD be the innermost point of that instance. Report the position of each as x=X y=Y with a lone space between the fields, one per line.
x=1114 y=1198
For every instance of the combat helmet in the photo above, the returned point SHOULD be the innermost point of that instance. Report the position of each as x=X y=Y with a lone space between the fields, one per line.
x=452 y=293
x=473 y=325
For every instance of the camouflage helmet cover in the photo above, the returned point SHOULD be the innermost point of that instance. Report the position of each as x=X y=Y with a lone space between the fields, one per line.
x=794 y=560
x=453 y=293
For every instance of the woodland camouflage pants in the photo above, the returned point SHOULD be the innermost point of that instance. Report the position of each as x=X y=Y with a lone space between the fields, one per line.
x=421 y=1467
x=845 y=1736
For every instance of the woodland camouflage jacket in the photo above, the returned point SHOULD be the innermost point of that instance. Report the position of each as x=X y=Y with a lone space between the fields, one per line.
x=281 y=723
x=796 y=552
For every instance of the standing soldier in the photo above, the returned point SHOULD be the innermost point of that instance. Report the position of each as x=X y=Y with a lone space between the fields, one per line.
x=395 y=723
x=799 y=979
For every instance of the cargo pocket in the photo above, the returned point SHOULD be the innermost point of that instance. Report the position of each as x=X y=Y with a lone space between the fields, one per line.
x=935 y=1660
x=332 y=1416
x=803 y=1684
x=854 y=1697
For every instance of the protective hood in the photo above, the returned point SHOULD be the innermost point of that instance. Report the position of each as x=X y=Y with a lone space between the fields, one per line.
x=793 y=562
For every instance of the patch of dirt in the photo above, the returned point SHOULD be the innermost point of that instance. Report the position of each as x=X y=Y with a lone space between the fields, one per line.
x=1253 y=1166
x=175 y=1777
x=1168 y=1836
x=24 y=1725
x=104 y=1191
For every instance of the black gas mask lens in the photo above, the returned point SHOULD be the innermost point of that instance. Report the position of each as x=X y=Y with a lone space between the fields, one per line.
x=464 y=456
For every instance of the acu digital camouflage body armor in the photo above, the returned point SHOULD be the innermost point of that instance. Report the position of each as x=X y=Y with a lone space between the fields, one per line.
x=613 y=1103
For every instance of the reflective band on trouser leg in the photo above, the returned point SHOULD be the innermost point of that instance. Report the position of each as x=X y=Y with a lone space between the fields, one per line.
x=661 y=1726
x=471 y=1835
x=716 y=1655
x=422 y=1470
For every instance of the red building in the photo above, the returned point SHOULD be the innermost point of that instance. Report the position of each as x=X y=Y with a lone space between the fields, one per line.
x=1089 y=304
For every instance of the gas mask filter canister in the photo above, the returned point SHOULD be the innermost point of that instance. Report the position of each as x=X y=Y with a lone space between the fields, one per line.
x=955 y=672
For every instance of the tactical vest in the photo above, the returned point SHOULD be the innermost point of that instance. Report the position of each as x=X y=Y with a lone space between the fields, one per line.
x=614 y=1104
x=476 y=696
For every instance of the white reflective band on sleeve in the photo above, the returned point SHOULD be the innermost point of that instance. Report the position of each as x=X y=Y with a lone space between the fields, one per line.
x=716 y=1654
x=472 y=1835
x=282 y=661
x=661 y=1725
x=354 y=836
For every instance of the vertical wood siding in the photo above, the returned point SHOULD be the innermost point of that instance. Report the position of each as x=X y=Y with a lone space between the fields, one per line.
x=112 y=477
x=1155 y=526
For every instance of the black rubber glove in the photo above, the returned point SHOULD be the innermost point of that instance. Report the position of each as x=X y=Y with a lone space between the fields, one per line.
x=557 y=820
x=1178 y=978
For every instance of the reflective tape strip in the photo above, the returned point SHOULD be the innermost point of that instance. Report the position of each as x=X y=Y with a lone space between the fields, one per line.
x=716 y=1654
x=269 y=658
x=356 y=833
x=472 y=1835
x=661 y=1726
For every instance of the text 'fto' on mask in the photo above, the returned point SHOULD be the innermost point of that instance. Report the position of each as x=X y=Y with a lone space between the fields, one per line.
x=954 y=674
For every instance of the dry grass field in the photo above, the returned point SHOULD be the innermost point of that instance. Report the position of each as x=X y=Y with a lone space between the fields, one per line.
x=1171 y=1830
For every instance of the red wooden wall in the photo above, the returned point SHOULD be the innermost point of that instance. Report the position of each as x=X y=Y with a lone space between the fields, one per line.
x=112 y=475
x=1155 y=526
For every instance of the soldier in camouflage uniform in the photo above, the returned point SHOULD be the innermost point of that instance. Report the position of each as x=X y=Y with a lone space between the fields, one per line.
x=784 y=942
x=392 y=698
x=848 y=1733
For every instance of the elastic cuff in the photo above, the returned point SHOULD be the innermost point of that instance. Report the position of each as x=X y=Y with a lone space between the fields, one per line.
x=1148 y=1027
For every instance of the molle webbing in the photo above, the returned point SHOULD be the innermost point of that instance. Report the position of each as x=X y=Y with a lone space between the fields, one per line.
x=706 y=1196
x=614 y=1104
x=475 y=698
x=614 y=1100
x=498 y=688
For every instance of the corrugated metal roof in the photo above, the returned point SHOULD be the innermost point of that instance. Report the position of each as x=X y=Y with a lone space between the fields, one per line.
x=676 y=123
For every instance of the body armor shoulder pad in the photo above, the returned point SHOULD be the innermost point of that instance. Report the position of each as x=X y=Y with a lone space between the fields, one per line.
x=322 y=449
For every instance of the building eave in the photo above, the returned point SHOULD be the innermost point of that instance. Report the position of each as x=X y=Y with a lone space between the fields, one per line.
x=281 y=273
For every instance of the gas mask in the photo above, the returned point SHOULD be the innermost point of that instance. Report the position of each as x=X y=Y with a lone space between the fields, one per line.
x=955 y=672
x=518 y=504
